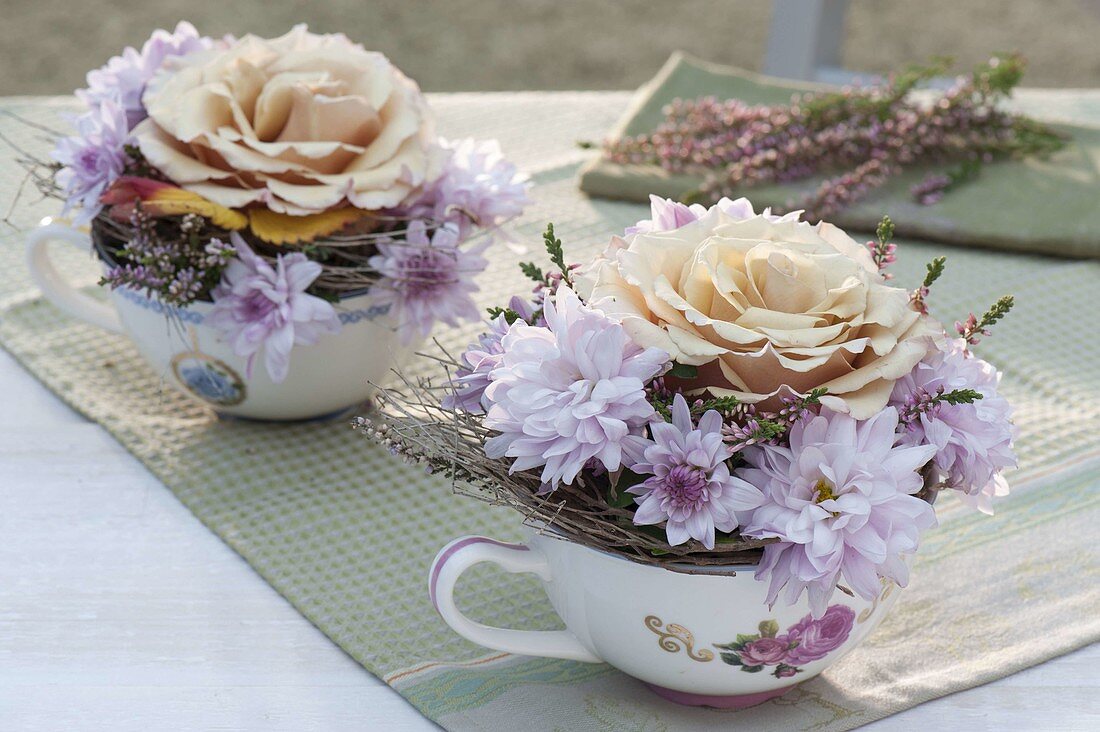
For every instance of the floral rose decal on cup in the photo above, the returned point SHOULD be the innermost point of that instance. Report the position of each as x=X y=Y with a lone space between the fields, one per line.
x=300 y=123
x=806 y=641
x=764 y=306
x=812 y=640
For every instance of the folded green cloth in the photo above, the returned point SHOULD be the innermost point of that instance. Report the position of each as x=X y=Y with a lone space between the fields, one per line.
x=1048 y=206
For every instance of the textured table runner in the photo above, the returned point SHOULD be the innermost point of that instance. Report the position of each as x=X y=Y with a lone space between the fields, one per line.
x=346 y=534
x=1032 y=205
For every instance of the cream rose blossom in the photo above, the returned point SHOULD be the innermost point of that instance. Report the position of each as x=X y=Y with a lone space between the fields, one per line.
x=300 y=123
x=765 y=307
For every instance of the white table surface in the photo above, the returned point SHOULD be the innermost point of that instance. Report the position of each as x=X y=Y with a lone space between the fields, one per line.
x=120 y=611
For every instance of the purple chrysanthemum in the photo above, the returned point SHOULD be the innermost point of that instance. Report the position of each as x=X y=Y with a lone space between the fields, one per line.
x=690 y=488
x=123 y=78
x=260 y=307
x=478 y=189
x=472 y=377
x=570 y=392
x=668 y=215
x=839 y=500
x=93 y=158
x=973 y=441
x=425 y=280
x=480 y=358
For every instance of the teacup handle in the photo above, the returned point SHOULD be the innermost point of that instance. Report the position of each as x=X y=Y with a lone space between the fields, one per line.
x=56 y=289
x=460 y=555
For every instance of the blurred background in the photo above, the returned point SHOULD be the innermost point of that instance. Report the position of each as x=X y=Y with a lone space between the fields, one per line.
x=46 y=46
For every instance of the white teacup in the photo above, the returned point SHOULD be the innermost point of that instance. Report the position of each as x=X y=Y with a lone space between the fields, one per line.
x=325 y=378
x=677 y=632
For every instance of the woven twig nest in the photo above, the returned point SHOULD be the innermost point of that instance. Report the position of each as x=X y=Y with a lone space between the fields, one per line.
x=344 y=256
x=412 y=423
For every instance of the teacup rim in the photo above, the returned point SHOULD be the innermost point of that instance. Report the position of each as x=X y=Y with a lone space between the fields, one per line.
x=682 y=567
x=208 y=304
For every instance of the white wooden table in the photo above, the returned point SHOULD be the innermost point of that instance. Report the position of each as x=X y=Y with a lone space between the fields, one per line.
x=120 y=611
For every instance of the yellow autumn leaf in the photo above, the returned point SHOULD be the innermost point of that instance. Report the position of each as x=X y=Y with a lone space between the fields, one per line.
x=171 y=201
x=277 y=228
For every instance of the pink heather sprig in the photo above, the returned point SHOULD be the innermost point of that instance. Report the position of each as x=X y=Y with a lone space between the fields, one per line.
x=931 y=189
x=935 y=185
x=547 y=283
x=867 y=134
x=883 y=250
x=972 y=328
x=753 y=431
x=923 y=402
x=767 y=428
x=179 y=269
x=919 y=297
x=841 y=191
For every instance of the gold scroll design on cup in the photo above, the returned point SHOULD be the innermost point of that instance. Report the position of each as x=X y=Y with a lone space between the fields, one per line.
x=675 y=638
x=888 y=587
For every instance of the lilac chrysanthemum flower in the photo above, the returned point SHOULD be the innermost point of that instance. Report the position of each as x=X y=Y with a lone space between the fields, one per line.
x=480 y=358
x=570 y=392
x=973 y=441
x=425 y=280
x=124 y=77
x=478 y=189
x=668 y=215
x=93 y=159
x=840 y=500
x=690 y=488
x=260 y=307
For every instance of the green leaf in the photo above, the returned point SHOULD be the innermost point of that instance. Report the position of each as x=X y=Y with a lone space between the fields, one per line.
x=731 y=659
x=934 y=270
x=722 y=405
x=510 y=316
x=557 y=254
x=769 y=628
x=532 y=271
x=745 y=639
x=999 y=309
x=959 y=396
x=620 y=499
x=683 y=371
x=617 y=497
x=752 y=669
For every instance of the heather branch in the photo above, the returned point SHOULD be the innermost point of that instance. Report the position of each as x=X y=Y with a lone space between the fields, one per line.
x=973 y=327
x=856 y=138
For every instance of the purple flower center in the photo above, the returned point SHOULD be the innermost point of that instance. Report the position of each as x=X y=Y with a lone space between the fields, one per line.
x=685 y=485
x=255 y=307
x=425 y=271
x=89 y=159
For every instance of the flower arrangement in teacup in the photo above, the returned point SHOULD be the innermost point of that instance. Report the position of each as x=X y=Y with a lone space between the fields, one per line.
x=288 y=194
x=718 y=390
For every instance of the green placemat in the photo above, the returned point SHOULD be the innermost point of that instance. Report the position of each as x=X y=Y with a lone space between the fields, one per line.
x=1048 y=206
x=346 y=534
